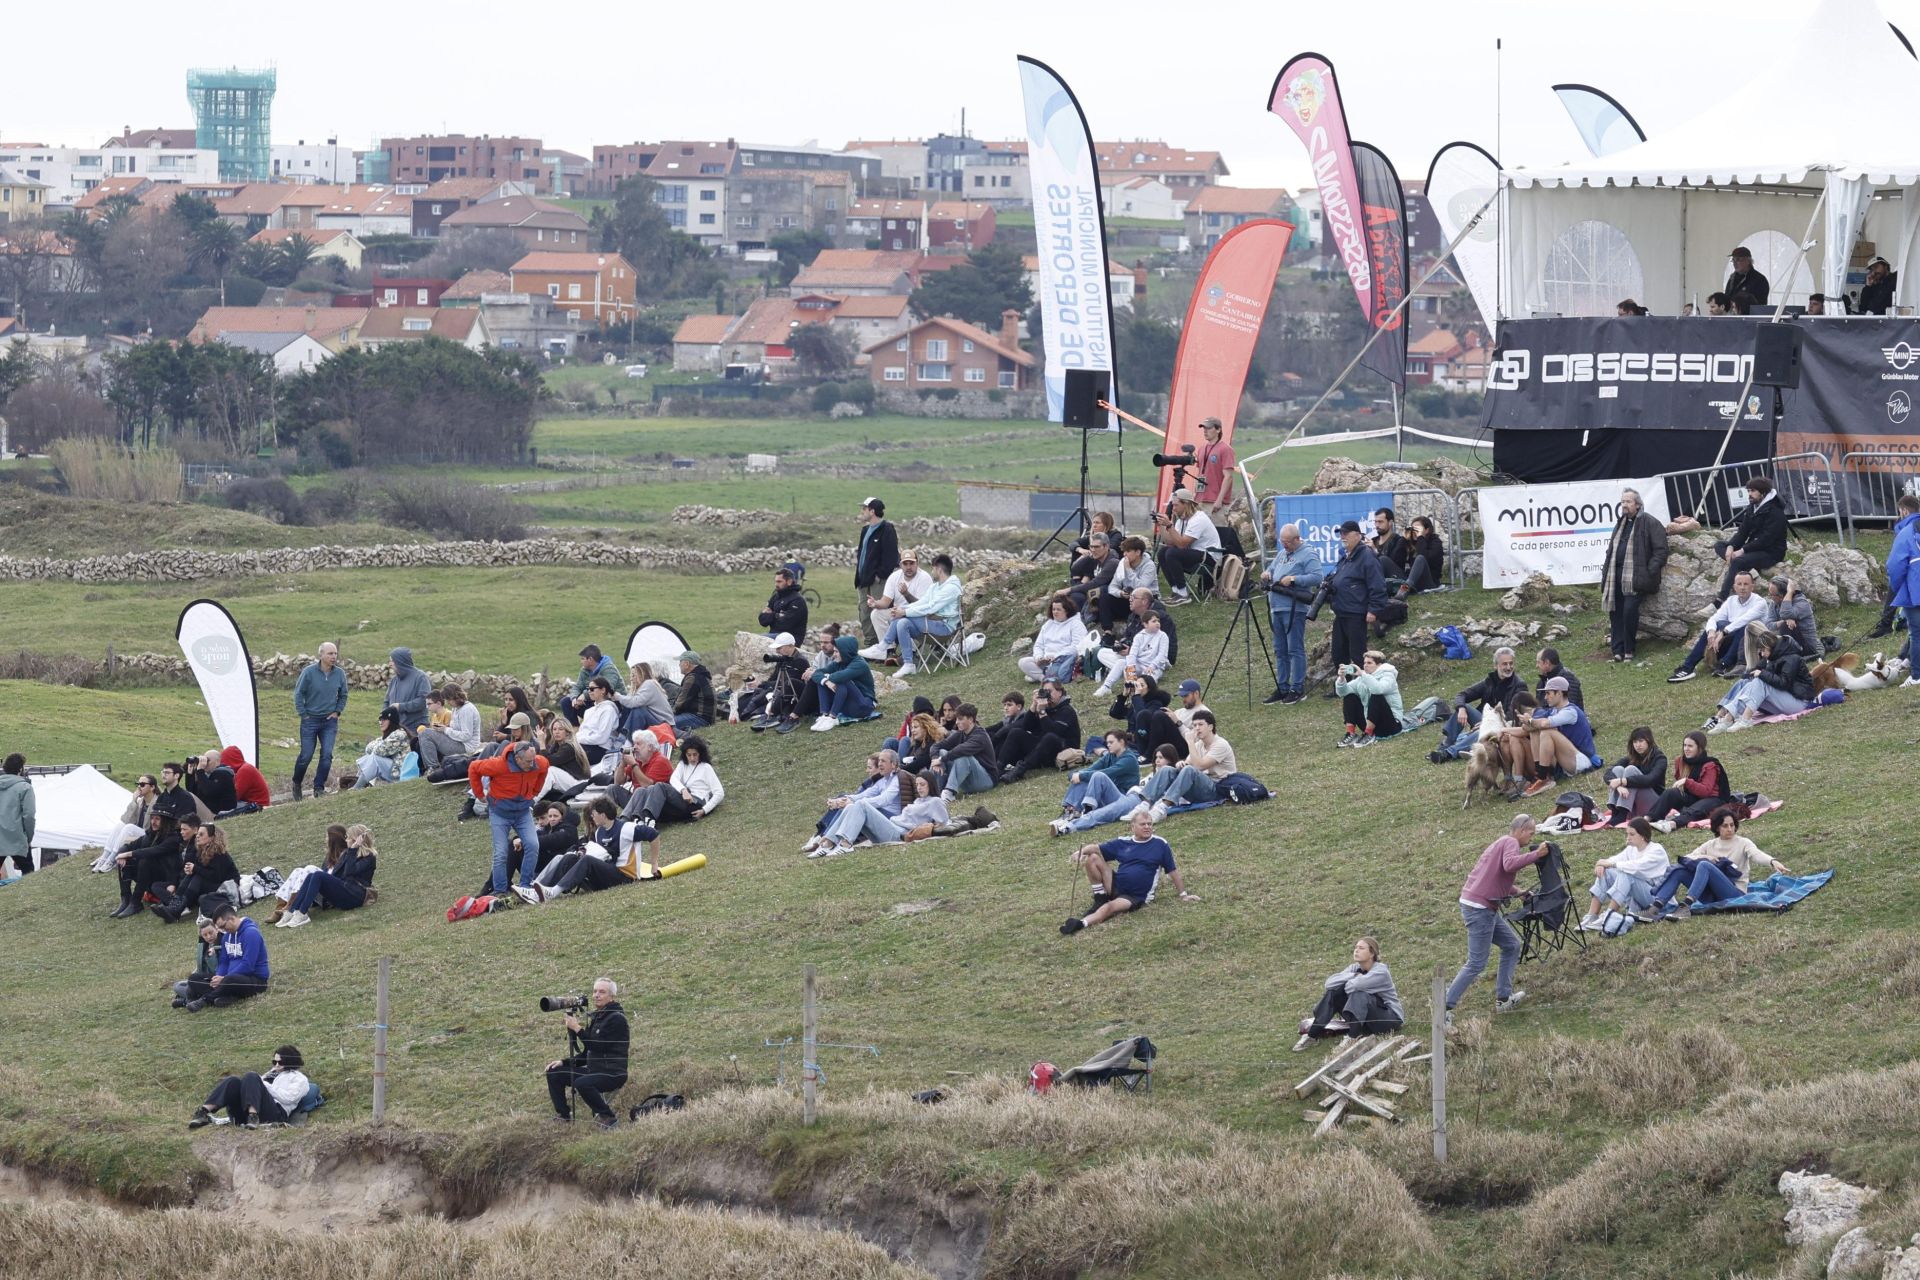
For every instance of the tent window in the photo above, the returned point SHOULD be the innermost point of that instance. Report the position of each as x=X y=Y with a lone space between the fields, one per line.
x=1590 y=268
x=1772 y=252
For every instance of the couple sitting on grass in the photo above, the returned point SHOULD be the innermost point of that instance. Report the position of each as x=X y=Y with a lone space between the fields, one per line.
x=892 y=805
x=1638 y=880
x=1108 y=788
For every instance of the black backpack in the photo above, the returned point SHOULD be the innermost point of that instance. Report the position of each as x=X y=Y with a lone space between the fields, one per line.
x=655 y=1102
x=1242 y=788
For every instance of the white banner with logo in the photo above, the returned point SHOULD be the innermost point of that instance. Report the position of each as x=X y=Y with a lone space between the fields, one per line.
x=1561 y=530
x=1070 y=237
x=210 y=639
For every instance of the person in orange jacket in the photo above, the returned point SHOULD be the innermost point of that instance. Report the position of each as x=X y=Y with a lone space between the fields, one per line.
x=509 y=783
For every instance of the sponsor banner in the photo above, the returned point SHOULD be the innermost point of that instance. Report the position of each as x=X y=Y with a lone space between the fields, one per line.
x=1635 y=371
x=1460 y=184
x=1306 y=96
x=1320 y=514
x=1561 y=530
x=210 y=639
x=1223 y=322
x=1070 y=236
x=1384 y=211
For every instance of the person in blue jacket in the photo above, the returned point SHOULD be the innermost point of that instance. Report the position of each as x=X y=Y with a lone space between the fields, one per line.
x=241 y=970
x=1903 y=570
x=846 y=687
x=1291 y=581
x=1357 y=596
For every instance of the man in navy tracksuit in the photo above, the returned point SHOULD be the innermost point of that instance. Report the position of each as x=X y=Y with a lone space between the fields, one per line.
x=242 y=967
x=1358 y=594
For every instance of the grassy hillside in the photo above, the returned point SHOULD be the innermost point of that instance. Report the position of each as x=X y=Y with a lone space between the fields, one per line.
x=946 y=957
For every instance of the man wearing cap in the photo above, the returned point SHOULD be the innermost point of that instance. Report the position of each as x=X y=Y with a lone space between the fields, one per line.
x=786 y=608
x=1562 y=739
x=1189 y=692
x=1357 y=595
x=696 y=707
x=903 y=586
x=1290 y=581
x=1187 y=538
x=1745 y=279
x=1216 y=470
x=592 y=664
x=1876 y=295
x=784 y=685
x=878 y=556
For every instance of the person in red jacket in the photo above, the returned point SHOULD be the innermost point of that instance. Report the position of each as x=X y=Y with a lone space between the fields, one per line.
x=249 y=785
x=1491 y=880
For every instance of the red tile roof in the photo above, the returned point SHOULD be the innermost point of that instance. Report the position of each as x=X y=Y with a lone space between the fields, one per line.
x=848 y=278
x=883 y=307
x=1236 y=200
x=887 y=209
x=546 y=261
x=1154 y=157
x=705 y=330
x=960 y=328
x=475 y=283
x=314 y=235
x=253 y=200
x=680 y=159
x=319 y=321
x=389 y=324
x=461 y=189
x=959 y=210
x=517 y=211
x=127 y=184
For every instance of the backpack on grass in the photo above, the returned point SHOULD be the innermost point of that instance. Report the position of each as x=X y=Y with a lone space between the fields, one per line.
x=471 y=907
x=1242 y=788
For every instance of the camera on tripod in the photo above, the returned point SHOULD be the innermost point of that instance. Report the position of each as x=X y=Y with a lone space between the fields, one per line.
x=562 y=1004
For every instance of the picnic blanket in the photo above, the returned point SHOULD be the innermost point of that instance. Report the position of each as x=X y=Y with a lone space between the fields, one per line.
x=1698 y=824
x=1775 y=893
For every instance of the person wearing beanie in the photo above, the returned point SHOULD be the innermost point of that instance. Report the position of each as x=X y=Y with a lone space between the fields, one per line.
x=254 y=1099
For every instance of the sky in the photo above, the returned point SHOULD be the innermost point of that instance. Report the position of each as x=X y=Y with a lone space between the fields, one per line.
x=1414 y=76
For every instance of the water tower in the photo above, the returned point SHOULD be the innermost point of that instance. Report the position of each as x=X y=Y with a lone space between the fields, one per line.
x=233 y=114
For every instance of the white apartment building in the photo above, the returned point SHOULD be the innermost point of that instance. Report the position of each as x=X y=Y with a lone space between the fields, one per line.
x=71 y=172
x=315 y=162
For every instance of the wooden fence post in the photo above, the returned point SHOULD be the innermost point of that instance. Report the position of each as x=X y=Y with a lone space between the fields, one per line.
x=380 y=1010
x=1439 y=1064
x=809 y=1048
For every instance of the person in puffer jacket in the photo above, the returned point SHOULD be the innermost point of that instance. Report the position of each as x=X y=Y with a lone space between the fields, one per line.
x=1369 y=699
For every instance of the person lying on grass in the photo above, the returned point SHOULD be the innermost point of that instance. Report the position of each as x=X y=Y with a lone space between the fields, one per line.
x=254 y=1099
x=1714 y=872
x=1126 y=882
x=1360 y=1000
x=1625 y=882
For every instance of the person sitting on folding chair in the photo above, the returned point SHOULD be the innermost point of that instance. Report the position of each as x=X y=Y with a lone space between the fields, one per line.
x=1188 y=541
x=1626 y=882
x=1360 y=1000
x=1126 y=884
x=936 y=614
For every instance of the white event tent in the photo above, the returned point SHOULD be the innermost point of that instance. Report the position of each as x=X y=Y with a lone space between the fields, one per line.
x=1754 y=162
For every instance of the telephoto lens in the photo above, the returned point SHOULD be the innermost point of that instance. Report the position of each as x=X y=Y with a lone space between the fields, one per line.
x=558 y=1004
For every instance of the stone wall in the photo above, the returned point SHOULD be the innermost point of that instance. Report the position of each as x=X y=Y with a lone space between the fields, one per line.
x=193 y=566
x=963 y=404
x=734 y=518
x=280 y=670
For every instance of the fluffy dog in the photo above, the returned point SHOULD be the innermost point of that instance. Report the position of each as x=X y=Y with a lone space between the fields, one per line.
x=1486 y=763
x=1882 y=673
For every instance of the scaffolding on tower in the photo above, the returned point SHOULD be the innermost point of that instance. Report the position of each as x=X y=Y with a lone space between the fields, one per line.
x=233 y=114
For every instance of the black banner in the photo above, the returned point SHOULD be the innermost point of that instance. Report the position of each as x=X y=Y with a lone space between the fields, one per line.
x=1627 y=396
x=1383 y=214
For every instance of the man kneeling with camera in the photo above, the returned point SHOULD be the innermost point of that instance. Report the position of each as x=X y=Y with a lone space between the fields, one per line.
x=598 y=1065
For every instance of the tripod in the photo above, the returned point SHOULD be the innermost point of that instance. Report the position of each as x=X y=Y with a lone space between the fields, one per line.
x=1256 y=622
x=1078 y=517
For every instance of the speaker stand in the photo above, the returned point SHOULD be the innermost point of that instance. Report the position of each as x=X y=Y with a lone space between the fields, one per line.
x=1078 y=517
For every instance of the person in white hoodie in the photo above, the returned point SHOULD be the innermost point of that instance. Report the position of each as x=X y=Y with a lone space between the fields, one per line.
x=600 y=723
x=253 y=1099
x=1626 y=881
x=1058 y=645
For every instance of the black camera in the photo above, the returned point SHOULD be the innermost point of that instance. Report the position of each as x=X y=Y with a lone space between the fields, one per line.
x=560 y=1004
x=1184 y=458
x=1320 y=598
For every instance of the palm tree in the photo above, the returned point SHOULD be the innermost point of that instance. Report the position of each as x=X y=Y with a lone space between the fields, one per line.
x=256 y=260
x=215 y=243
x=296 y=251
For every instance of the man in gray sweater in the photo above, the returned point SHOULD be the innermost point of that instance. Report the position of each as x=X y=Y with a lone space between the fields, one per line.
x=1790 y=614
x=319 y=696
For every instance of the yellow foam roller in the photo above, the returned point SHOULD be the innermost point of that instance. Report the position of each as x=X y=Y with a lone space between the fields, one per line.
x=693 y=863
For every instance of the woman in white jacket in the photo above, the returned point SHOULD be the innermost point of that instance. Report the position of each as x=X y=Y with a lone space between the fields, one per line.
x=600 y=723
x=692 y=791
x=253 y=1099
x=1058 y=645
x=1626 y=881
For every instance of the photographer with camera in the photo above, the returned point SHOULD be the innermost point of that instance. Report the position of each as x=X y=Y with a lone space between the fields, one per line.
x=1291 y=582
x=1357 y=591
x=598 y=1064
x=1187 y=538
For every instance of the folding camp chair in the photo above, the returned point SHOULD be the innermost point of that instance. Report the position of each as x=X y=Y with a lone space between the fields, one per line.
x=931 y=652
x=1546 y=919
x=1114 y=1066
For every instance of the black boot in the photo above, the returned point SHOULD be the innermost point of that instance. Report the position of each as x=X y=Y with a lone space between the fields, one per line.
x=1885 y=626
x=120 y=912
x=172 y=909
x=298 y=792
x=130 y=907
x=466 y=810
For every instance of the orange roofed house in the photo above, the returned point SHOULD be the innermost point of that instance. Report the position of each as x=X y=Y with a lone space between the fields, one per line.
x=952 y=354
x=594 y=288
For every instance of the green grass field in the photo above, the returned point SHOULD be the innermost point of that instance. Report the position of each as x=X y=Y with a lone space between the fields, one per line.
x=946 y=956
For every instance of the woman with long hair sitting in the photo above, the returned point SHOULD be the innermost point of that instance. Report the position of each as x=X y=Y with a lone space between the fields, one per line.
x=336 y=846
x=924 y=734
x=1715 y=871
x=644 y=703
x=381 y=763
x=691 y=793
x=1699 y=787
x=347 y=886
x=1625 y=882
x=252 y=1100
x=153 y=859
x=1426 y=557
x=1636 y=779
x=1360 y=1000
x=204 y=867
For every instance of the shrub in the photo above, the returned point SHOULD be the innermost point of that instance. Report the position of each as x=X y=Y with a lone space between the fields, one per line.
x=268 y=496
x=333 y=503
x=860 y=392
x=245 y=291
x=827 y=395
x=463 y=511
x=108 y=470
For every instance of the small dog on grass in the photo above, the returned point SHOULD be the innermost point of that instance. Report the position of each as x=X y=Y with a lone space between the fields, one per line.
x=1487 y=763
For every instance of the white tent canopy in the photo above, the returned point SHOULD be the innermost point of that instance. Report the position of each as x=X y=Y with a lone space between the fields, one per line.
x=1752 y=163
x=76 y=810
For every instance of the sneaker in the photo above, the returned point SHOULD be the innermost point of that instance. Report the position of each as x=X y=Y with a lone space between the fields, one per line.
x=1295 y=695
x=1277 y=696
x=1510 y=1003
x=1911 y=682
x=1735 y=726
x=179 y=1002
x=1059 y=827
x=1073 y=925
x=1178 y=598
x=835 y=850
x=820 y=850
x=1448 y=1022
x=1679 y=913
x=874 y=652
x=1665 y=826
x=299 y=791
x=1680 y=676
x=761 y=724
x=823 y=723
x=1348 y=740
x=201 y=1118
x=1365 y=740
x=1103 y=691
x=1536 y=787
x=1646 y=915
x=1158 y=811
x=1590 y=921
x=1437 y=757
x=948 y=798
x=528 y=894
x=1300 y=1045
x=606 y=1122
x=788 y=725
x=294 y=919
x=194 y=1006
x=813 y=844
x=907 y=669
x=1715 y=725
x=466 y=811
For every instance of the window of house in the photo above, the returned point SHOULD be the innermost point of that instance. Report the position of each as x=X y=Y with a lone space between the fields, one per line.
x=833 y=204
x=976 y=375
x=891 y=224
x=966 y=344
x=676 y=217
x=935 y=373
x=539 y=234
x=936 y=348
x=575 y=314
x=1007 y=378
x=413 y=324
x=392 y=297
x=706 y=219
x=979 y=180
x=895 y=374
x=902 y=344
x=709 y=195
x=420 y=296
x=553 y=291
x=573 y=291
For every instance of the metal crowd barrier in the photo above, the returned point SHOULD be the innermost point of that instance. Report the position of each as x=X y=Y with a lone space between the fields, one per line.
x=1874 y=479
x=1468 y=537
x=1712 y=491
x=1443 y=509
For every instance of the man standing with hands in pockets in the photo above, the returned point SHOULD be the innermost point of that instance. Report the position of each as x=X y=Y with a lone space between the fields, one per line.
x=319 y=696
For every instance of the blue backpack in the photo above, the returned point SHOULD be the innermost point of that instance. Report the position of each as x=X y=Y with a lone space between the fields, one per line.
x=1452 y=644
x=1242 y=788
